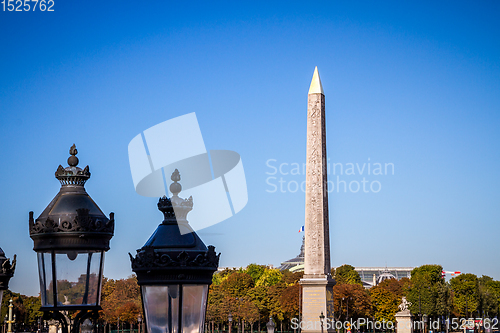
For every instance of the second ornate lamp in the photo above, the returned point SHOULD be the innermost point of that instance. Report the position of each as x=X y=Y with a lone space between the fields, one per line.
x=174 y=269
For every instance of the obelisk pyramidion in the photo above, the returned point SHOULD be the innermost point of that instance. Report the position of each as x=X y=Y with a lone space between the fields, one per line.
x=317 y=283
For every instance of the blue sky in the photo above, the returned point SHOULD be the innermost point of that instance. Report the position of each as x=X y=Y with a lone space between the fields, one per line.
x=412 y=84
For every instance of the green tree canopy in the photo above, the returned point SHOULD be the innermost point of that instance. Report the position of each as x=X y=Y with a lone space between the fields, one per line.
x=347 y=274
x=270 y=277
x=489 y=292
x=427 y=291
x=465 y=289
x=255 y=271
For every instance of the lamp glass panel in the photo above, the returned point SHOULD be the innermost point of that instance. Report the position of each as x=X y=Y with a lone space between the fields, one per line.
x=161 y=307
x=194 y=301
x=45 y=275
x=78 y=274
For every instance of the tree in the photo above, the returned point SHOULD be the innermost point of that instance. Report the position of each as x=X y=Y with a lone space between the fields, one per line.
x=427 y=291
x=291 y=278
x=352 y=300
x=347 y=274
x=386 y=298
x=270 y=277
x=274 y=294
x=32 y=305
x=218 y=277
x=489 y=293
x=259 y=297
x=121 y=298
x=255 y=271
x=215 y=304
x=465 y=294
x=249 y=311
x=289 y=301
x=237 y=284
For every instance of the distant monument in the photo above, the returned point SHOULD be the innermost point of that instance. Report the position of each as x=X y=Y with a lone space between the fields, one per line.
x=403 y=317
x=317 y=284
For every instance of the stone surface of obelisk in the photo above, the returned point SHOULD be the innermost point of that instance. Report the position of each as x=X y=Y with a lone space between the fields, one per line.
x=317 y=283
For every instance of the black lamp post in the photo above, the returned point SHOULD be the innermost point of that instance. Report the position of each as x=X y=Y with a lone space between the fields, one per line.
x=321 y=319
x=6 y=272
x=70 y=238
x=174 y=269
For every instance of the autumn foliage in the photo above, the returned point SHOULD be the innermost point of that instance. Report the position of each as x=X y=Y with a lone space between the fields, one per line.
x=121 y=298
x=253 y=294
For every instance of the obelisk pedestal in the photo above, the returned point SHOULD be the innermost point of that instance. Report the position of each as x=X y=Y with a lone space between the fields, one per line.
x=317 y=284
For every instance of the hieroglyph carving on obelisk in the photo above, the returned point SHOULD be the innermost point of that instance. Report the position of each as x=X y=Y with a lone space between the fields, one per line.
x=317 y=282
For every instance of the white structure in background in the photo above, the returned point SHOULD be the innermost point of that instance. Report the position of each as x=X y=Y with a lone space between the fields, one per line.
x=370 y=276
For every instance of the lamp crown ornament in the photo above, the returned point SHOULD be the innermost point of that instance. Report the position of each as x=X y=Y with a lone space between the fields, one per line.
x=72 y=175
x=175 y=209
x=72 y=216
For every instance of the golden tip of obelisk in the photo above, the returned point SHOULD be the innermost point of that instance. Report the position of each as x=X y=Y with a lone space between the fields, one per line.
x=316 y=87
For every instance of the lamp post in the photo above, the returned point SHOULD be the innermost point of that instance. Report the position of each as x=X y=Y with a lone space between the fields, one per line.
x=341 y=308
x=6 y=272
x=230 y=320
x=321 y=318
x=11 y=320
x=139 y=322
x=174 y=269
x=347 y=316
x=70 y=238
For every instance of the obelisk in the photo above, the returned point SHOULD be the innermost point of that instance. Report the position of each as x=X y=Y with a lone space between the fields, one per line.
x=317 y=283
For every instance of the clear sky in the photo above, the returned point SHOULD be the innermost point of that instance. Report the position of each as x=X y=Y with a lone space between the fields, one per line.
x=412 y=84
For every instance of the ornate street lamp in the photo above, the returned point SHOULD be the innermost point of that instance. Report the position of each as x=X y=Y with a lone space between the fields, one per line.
x=174 y=269
x=70 y=238
x=6 y=272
